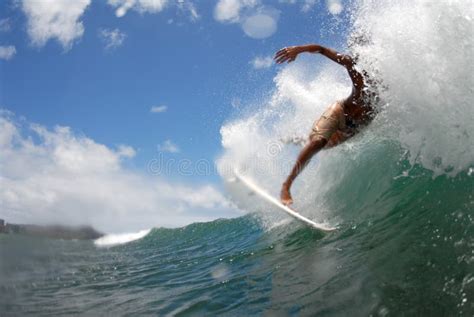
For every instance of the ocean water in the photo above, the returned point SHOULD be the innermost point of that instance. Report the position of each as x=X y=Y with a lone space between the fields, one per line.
x=401 y=194
x=404 y=248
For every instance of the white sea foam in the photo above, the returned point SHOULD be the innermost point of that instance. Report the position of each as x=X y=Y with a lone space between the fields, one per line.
x=116 y=239
x=423 y=53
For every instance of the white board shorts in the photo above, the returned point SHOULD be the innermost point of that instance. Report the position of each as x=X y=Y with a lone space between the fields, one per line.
x=331 y=121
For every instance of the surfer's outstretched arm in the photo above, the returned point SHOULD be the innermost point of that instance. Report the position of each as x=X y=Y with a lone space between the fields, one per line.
x=313 y=147
x=289 y=54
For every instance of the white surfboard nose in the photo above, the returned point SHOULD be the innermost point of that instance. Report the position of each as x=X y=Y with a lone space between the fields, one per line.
x=255 y=189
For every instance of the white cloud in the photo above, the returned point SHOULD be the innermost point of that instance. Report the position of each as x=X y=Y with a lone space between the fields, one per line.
x=257 y=21
x=71 y=179
x=7 y=52
x=260 y=62
x=142 y=6
x=153 y=7
x=168 y=146
x=55 y=19
x=112 y=38
x=158 y=109
x=5 y=25
x=126 y=151
x=334 y=6
x=229 y=10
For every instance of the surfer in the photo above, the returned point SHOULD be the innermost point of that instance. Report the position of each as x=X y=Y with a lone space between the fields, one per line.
x=341 y=120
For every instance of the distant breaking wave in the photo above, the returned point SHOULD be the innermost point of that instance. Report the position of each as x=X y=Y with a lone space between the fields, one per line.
x=116 y=239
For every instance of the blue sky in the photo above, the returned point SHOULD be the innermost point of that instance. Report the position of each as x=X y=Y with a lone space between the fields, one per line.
x=100 y=67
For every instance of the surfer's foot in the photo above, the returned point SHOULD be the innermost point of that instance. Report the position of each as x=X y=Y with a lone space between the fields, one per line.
x=285 y=195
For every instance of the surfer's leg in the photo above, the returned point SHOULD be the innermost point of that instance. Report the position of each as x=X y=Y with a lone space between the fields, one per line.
x=321 y=133
x=309 y=150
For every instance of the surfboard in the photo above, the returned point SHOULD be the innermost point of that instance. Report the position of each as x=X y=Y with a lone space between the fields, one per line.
x=275 y=202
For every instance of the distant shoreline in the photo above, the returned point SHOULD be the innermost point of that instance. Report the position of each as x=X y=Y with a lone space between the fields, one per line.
x=51 y=231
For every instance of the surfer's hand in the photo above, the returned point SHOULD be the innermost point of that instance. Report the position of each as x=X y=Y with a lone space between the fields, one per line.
x=285 y=195
x=286 y=54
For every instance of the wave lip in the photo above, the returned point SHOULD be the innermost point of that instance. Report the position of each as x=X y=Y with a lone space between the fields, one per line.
x=122 y=238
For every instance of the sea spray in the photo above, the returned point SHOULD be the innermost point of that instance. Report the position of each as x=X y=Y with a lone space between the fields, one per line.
x=423 y=52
